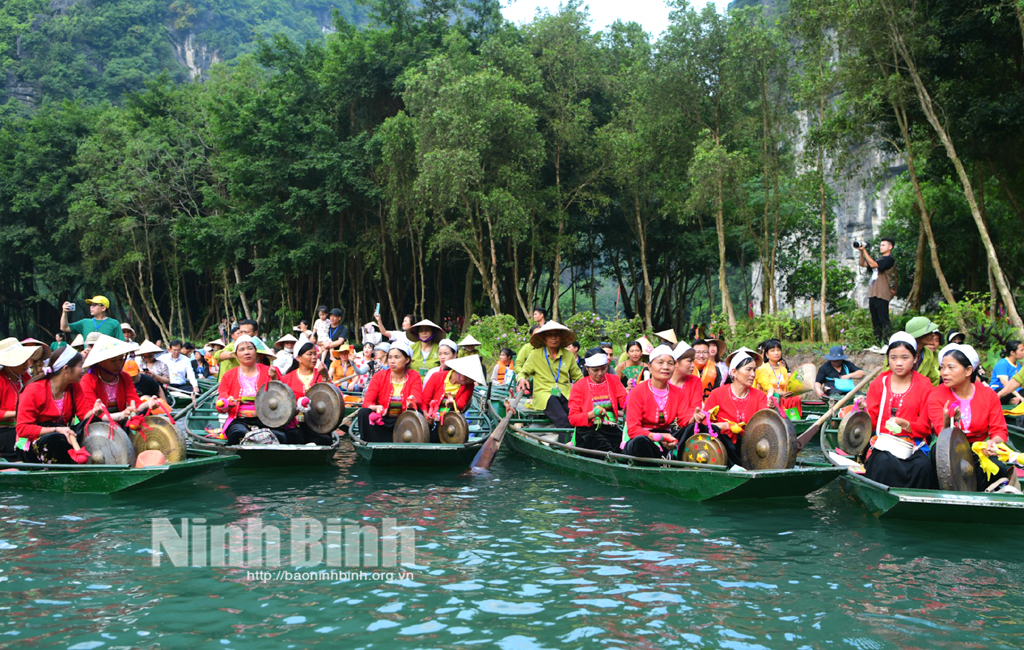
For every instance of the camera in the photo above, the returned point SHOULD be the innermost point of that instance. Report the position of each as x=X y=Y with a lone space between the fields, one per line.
x=858 y=245
x=72 y=307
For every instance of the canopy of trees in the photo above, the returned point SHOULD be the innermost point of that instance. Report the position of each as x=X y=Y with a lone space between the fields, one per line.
x=444 y=162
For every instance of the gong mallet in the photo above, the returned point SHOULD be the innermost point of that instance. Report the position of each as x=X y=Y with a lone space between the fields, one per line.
x=806 y=436
x=484 y=457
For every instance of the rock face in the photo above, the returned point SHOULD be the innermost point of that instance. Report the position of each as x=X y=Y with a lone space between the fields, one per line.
x=197 y=58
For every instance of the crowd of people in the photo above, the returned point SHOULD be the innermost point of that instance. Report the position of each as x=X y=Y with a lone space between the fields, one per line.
x=646 y=402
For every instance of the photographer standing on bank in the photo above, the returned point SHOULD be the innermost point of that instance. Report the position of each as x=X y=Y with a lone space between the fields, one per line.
x=882 y=285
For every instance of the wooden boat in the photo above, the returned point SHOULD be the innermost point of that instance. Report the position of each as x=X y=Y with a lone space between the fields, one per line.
x=531 y=434
x=930 y=505
x=197 y=418
x=108 y=479
x=409 y=454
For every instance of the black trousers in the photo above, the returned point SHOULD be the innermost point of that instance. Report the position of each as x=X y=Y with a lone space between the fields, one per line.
x=375 y=432
x=240 y=427
x=880 y=319
x=606 y=437
x=916 y=472
x=557 y=410
x=8 y=436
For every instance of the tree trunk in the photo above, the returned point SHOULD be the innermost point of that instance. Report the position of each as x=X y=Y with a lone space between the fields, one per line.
x=930 y=113
x=642 y=237
x=723 y=284
x=824 y=247
x=241 y=292
x=914 y=297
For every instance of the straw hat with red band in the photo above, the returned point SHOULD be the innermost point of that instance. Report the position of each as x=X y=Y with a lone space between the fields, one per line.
x=540 y=335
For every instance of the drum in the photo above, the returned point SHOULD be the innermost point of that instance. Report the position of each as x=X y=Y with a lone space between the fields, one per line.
x=768 y=442
x=453 y=429
x=411 y=427
x=106 y=447
x=326 y=408
x=275 y=404
x=705 y=449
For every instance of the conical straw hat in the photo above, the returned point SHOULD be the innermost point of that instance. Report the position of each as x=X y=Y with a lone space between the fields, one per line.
x=469 y=367
x=107 y=347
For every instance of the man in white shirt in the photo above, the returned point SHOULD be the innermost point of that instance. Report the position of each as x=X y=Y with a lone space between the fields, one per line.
x=180 y=368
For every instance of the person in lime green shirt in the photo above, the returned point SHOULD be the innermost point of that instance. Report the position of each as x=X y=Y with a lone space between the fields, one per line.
x=225 y=357
x=98 y=308
x=553 y=370
x=426 y=337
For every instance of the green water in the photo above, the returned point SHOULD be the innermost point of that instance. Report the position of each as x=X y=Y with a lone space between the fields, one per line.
x=527 y=558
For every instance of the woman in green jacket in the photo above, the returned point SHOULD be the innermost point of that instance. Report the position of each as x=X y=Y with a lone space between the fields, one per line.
x=923 y=330
x=426 y=336
x=553 y=370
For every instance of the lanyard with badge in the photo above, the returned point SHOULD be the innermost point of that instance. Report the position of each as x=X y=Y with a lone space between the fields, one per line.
x=555 y=390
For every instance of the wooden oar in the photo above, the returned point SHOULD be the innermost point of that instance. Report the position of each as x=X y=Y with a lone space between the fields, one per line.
x=484 y=457
x=806 y=436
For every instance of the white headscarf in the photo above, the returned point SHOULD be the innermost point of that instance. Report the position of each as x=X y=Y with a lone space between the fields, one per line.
x=737 y=359
x=904 y=337
x=661 y=350
x=966 y=350
x=66 y=356
x=596 y=360
x=452 y=345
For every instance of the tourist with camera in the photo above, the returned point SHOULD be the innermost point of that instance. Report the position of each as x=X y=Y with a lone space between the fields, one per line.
x=882 y=285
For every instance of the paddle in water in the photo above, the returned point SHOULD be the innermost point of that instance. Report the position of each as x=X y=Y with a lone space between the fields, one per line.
x=482 y=462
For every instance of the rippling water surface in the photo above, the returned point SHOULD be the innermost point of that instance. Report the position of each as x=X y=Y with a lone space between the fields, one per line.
x=525 y=558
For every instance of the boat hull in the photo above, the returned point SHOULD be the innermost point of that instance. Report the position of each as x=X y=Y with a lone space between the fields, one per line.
x=108 y=479
x=693 y=484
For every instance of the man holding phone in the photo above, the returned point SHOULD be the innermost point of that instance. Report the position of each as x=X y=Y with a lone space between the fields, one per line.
x=98 y=308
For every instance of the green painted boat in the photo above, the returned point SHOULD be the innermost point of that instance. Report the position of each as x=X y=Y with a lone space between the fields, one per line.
x=196 y=418
x=532 y=434
x=689 y=481
x=108 y=479
x=401 y=454
x=931 y=505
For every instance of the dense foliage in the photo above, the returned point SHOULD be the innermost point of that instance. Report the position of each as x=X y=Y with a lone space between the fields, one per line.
x=446 y=163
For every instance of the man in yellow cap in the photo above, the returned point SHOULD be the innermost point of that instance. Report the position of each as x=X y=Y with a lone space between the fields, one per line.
x=98 y=307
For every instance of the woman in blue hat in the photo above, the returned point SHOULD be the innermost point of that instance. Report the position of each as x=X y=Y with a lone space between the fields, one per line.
x=837 y=366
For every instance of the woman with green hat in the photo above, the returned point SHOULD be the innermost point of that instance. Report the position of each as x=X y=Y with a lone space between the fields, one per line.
x=922 y=330
x=553 y=371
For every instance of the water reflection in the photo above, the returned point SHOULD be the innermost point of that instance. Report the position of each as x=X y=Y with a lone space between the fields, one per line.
x=526 y=558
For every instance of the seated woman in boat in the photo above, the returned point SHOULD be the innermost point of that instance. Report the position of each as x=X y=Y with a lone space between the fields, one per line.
x=362 y=363
x=106 y=382
x=47 y=410
x=236 y=393
x=553 y=371
x=342 y=372
x=736 y=402
x=391 y=391
x=504 y=371
x=150 y=366
x=426 y=337
x=446 y=351
x=683 y=376
x=667 y=337
x=837 y=366
x=717 y=352
x=774 y=379
x=961 y=400
x=597 y=406
x=898 y=405
x=706 y=368
x=1006 y=369
x=310 y=370
x=284 y=356
x=656 y=408
x=633 y=370
x=211 y=349
x=450 y=389
x=15 y=359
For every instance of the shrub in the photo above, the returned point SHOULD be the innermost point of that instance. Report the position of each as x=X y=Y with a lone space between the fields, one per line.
x=496 y=332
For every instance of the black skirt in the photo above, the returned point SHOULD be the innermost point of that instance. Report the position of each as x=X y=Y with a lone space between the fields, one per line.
x=917 y=472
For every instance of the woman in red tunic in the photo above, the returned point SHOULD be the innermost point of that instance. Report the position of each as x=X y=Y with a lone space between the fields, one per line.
x=15 y=359
x=596 y=406
x=105 y=381
x=236 y=393
x=655 y=407
x=898 y=406
x=390 y=392
x=963 y=401
x=450 y=388
x=736 y=401
x=47 y=410
x=310 y=370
